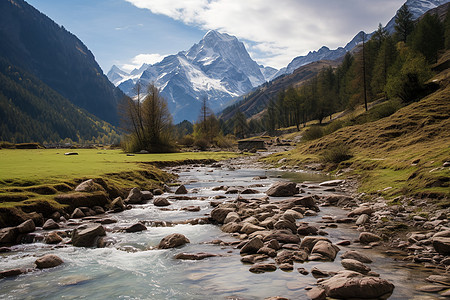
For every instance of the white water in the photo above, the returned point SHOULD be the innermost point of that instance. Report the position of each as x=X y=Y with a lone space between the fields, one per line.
x=129 y=269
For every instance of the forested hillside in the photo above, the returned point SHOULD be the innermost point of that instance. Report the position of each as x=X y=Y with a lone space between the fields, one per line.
x=39 y=46
x=30 y=111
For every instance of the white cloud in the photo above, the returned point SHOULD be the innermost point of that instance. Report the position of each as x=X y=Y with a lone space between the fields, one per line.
x=140 y=59
x=282 y=29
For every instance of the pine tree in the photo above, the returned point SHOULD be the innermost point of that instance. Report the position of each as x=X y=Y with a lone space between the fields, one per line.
x=404 y=24
x=428 y=37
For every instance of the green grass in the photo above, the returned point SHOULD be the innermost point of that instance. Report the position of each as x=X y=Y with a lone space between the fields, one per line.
x=40 y=166
x=401 y=154
x=32 y=180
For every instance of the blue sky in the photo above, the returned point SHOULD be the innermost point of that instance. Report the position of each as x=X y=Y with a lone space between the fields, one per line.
x=130 y=32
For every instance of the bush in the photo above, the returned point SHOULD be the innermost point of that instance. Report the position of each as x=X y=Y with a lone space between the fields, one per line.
x=336 y=154
x=202 y=144
x=312 y=133
x=333 y=126
x=225 y=142
x=187 y=140
x=377 y=112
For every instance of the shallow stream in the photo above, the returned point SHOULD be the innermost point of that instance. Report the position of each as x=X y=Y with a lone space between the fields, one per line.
x=129 y=270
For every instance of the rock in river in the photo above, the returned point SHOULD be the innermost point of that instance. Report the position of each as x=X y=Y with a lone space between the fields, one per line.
x=87 y=236
x=349 y=284
x=48 y=261
x=282 y=189
x=172 y=241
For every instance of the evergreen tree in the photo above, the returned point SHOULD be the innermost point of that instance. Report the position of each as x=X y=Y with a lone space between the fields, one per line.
x=404 y=24
x=428 y=37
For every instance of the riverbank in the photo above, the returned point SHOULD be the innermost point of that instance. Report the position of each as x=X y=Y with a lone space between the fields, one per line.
x=36 y=183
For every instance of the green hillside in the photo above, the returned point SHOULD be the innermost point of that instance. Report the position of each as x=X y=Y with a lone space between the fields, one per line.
x=30 y=111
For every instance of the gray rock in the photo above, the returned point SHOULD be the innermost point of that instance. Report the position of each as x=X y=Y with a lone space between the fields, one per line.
x=261 y=268
x=219 y=214
x=77 y=214
x=348 y=284
x=305 y=229
x=360 y=211
x=353 y=254
x=232 y=217
x=53 y=238
x=135 y=197
x=117 y=205
x=282 y=189
x=181 y=190
x=252 y=246
x=442 y=245
x=325 y=249
x=48 y=261
x=8 y=235
x=147 y=195
x=27 y=226
x=283 y=237
x=11 y=273
x=362 y=219
x=173 y=240
x=161 y=201
x=136 y=228
x=354 y=265
x=87 y=237
x=309 y=241
x=367 y=237
x=50 y=224
x=231 y=227
x=89 y=186
x=194 y=256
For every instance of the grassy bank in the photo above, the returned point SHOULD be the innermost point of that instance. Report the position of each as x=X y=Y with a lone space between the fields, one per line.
x=31 y=180
x=402 y=154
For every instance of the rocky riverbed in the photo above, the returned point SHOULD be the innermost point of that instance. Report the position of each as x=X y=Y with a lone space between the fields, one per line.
x=233 y=230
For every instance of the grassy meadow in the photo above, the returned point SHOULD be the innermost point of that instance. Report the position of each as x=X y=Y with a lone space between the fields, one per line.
x=41 y=166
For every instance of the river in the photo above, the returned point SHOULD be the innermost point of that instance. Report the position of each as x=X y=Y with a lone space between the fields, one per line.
x=132 y=269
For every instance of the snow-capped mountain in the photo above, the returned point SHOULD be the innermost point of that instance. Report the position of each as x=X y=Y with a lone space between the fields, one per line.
x=417 y=8
x=218 y=67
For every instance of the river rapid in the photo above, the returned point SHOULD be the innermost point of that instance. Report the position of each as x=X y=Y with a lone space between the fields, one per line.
x=131 y=268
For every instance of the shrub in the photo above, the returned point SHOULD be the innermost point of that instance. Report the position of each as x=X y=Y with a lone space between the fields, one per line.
x=202 y=144
x=225 y=142
x=187 y=140
x=336 y=154
x=333 y=126
x=312 y=133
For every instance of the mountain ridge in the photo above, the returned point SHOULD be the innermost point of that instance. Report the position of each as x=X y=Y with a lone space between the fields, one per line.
x=35 y=43
x=218 y=67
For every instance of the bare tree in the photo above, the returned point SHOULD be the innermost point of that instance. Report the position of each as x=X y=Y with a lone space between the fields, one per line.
x=147 y=121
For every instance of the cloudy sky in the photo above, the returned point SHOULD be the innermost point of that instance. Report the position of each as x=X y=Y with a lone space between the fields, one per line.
x=130 y=32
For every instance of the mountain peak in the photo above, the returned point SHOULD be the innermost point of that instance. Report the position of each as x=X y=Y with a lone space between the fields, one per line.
x=215 y=35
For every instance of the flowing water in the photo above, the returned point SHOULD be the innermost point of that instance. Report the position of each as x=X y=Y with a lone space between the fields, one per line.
x=131 y=269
